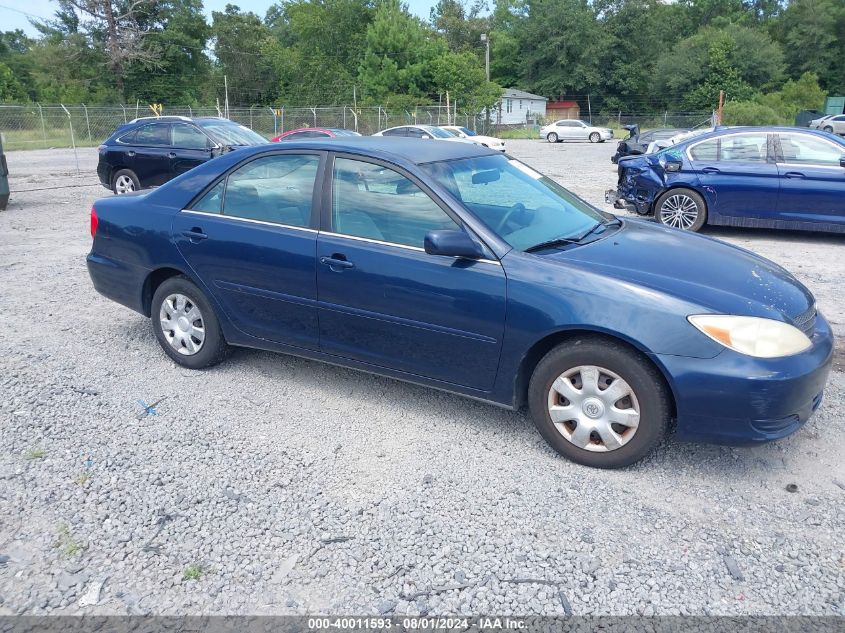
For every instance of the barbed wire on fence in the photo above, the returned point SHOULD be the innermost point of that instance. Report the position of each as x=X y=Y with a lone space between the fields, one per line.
x=39 y=126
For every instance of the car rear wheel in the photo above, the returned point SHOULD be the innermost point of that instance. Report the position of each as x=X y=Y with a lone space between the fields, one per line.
x=598 y=403
x=551 y=137
x=595 y=137
x=185 y=325
x=828 y=128
x=125 y=181
x=681 y=209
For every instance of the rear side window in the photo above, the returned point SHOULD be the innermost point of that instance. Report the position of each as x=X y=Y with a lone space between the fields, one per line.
x=803 y=149
x=188 y=137
x=129 y=137
x=275 y=189
x=399 y=131
x=212 y=201
x=155 y=134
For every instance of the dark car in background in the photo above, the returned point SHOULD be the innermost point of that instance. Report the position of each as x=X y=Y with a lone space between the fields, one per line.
x=147 y=152
x=313 y=132
x=764 y=177
x=638 y=142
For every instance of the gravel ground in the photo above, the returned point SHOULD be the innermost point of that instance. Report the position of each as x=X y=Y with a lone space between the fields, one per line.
x=272 y=484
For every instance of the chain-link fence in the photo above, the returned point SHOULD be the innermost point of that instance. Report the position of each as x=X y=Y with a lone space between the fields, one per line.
x=37 y=126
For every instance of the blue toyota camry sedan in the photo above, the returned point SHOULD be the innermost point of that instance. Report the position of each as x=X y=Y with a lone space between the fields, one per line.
x=454 y=266
x=765 y=177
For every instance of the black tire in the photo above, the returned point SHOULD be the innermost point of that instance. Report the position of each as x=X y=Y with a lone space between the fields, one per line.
x=595 y=137
x=643 y=378
x=119 y=176
x=665 y=217
x=213 y=348
x=828 y=128
x=551 y=137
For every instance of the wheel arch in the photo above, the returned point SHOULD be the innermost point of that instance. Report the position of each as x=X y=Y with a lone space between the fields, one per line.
x=153 y=281
x=680 y=185
x=551 y=340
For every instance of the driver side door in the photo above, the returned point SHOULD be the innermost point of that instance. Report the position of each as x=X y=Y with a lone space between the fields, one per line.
x=383 y=300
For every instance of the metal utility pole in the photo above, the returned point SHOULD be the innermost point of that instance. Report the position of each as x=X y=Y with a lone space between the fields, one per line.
x=486 y=40
x=226 y=89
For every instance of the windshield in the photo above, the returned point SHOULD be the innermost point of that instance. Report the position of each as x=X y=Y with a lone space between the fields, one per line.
x=521 y=205
x=467 y=131
x=230 y=133
x=436 y=131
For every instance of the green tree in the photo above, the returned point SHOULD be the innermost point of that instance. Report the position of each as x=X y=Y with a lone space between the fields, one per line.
x=813 y=36
x=241 y=40
x=719 y=75
x=11 y=90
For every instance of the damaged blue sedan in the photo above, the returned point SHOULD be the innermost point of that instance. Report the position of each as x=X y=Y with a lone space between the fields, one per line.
x=781 y=178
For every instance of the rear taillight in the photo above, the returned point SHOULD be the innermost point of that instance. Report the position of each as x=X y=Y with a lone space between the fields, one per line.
x=94 y=222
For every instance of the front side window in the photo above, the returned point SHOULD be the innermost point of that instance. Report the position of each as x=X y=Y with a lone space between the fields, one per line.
x=188 y=137
x=155 y=134
x=521 y=205
x=803 y=149
x=744 y=148
x=374 y=202
x=276 y=189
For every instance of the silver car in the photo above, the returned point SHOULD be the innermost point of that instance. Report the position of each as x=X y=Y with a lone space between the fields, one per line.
x=575 y=130
x=834 y=123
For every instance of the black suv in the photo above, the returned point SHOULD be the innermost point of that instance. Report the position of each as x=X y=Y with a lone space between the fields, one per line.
x=148 y=152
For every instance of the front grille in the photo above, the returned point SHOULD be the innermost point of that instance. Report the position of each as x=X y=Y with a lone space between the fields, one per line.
x=806 y=322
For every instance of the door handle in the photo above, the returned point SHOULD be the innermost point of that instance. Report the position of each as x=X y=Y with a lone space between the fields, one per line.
x=794 y=174
x=336 y=262
x=710 y=170
x=195 y=234
x=172 y=155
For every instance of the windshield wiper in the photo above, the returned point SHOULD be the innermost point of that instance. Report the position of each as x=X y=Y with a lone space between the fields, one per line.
x=558 y=241
x=562 y=241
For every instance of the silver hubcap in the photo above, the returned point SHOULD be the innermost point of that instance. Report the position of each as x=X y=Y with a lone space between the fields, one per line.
x=594 y=138
x=182 y=324
x=124 y=184
x=594 y=408
x=552 y=138
x=679 y=211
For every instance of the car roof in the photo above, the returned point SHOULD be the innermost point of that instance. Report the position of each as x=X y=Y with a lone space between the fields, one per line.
x=724 y=131
x=411 y=150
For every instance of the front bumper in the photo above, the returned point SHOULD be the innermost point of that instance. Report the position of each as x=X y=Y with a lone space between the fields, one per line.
x=737 y=399
x=621 y=200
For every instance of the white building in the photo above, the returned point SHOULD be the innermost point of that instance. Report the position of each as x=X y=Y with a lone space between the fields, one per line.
x=518 y=106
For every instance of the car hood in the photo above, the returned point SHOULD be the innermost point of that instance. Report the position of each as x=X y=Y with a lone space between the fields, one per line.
x=715 y=275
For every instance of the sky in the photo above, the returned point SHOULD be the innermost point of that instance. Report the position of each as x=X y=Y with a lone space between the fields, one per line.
x=13 y=13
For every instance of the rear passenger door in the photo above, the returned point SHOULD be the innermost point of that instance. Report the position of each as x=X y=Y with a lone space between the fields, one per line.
x=251 y=240
x=812 y=180
x=738 y=175
x=150 y=156
x=384 y=301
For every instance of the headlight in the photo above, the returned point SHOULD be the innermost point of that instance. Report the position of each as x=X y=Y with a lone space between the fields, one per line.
x=762 y=338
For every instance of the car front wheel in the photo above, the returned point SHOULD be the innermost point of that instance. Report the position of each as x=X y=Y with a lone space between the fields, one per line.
x=551 y=137
x=125 y=181
x=681 y=209
x=185 y=324
x=598 y=403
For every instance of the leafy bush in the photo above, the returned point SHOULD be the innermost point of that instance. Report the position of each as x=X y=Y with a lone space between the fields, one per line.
x=750 y=113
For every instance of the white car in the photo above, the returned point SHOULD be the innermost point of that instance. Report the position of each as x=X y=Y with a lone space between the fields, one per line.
x=421 y=131
x=575 y=130
x=834 y=123
x=487 y=141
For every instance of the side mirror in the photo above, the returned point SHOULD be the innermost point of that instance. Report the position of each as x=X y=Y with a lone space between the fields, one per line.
x=842 y=162
x=451 y=243
x=673 y=166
